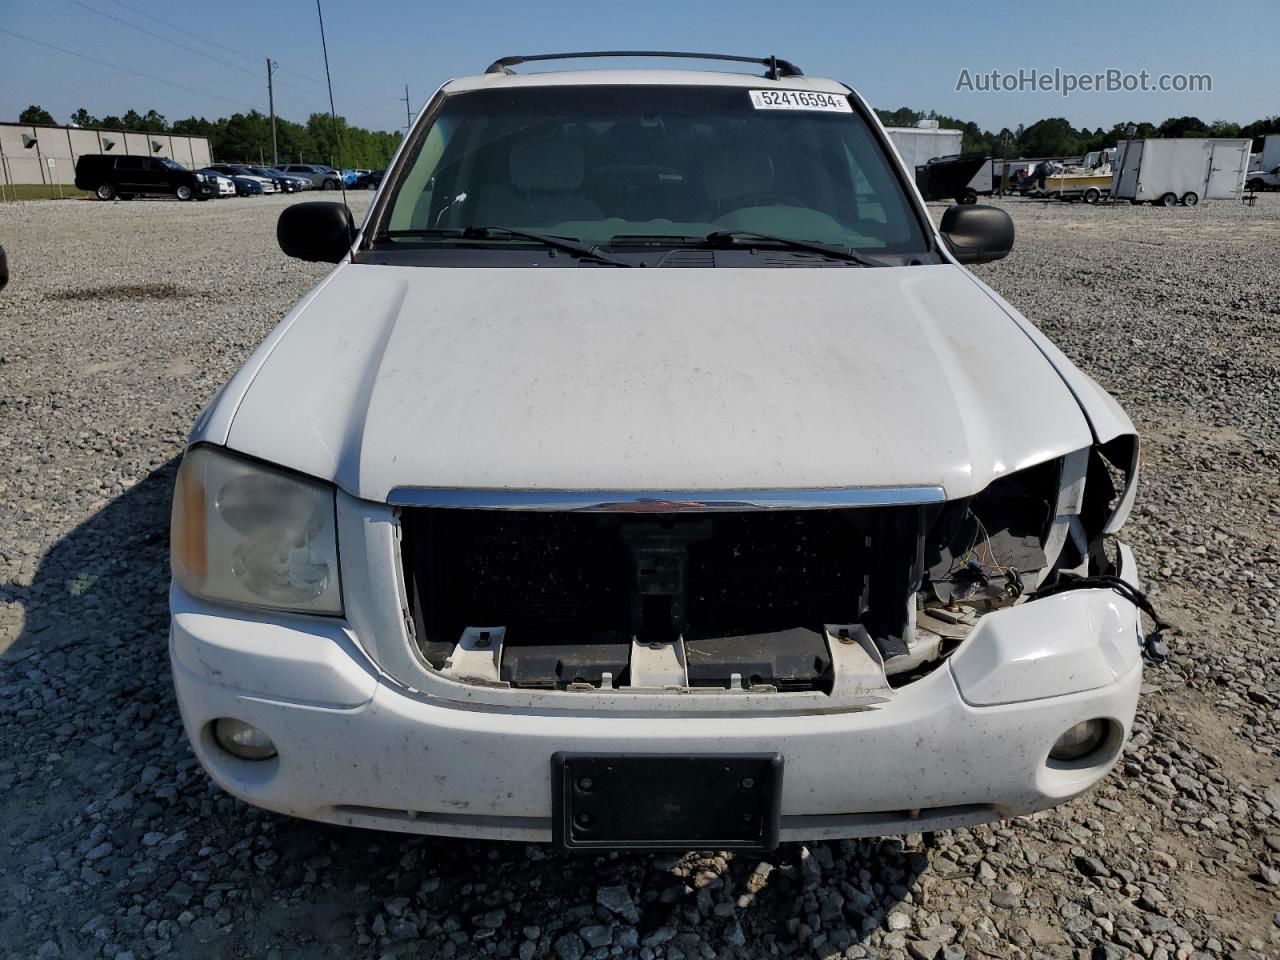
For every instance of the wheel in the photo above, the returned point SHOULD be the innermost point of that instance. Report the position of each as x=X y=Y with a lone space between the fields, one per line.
x=969 y=196
x=183 y=192
x=1190 y=198
x=1092 y=195
x=1255 y=185
x=105 y=191
x=331 y=185
x=1168 y=200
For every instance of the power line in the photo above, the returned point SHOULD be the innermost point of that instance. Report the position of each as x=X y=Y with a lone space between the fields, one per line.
x=199 y=53
x=136 y=73
x=214 y=43
x=196 y=36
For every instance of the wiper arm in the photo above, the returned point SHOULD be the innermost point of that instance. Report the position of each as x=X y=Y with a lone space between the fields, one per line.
x=575 y=247
x=829 y=249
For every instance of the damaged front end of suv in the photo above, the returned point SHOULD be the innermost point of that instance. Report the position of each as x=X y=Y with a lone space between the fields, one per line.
x=831 y=592
x=799 y=532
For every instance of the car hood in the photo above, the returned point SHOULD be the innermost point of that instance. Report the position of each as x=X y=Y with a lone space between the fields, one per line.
x=651 y=380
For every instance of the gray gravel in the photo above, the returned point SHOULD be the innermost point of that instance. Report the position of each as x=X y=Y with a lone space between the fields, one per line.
x=121 y=321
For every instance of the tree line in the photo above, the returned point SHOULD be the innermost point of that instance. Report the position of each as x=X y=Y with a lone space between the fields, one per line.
x=1056 y=137
x=247 y=136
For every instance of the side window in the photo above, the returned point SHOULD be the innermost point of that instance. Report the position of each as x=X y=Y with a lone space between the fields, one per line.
x=129 y=163
x=420 y=202
x=154 y=165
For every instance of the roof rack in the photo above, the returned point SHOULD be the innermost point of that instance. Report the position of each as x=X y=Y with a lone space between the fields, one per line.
x=777 y=68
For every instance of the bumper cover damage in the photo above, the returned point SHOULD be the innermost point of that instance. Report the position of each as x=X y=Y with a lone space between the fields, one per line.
x=965 y=743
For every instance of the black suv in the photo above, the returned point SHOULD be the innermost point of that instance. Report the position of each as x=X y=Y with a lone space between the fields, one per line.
x=128 y=176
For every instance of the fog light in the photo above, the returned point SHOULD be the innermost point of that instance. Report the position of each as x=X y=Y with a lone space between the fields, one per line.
x=1080 y=740
x=243 y=740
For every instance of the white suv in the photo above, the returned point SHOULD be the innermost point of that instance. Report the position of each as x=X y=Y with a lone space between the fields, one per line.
x=649 y=471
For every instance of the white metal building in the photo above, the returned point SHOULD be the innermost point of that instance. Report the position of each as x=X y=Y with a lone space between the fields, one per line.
x=47 y=155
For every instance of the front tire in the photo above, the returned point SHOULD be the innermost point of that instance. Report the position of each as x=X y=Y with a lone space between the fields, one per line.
x=331 y=185
x=1168 y=200
x=1092 y=195
x=968 y=197
x=183 y=192
x=105 y=191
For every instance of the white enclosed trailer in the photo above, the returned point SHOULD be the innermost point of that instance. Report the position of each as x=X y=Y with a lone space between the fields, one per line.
x=1179 y=170
x=920 y=144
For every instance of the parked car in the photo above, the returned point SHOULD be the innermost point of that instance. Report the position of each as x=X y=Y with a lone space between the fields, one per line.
x=238 y=172
x=322 y=178
x=369 y=180
x=1260 y=180
x=801 y=531
x=299 y=181
x=226 y=186
x=127 y=176
x=284 y=182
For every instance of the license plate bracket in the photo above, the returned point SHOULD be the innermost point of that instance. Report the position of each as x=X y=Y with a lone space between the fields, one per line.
x=666 y=801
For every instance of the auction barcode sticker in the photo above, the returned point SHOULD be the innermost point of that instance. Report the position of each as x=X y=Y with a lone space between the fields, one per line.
x=799 y=100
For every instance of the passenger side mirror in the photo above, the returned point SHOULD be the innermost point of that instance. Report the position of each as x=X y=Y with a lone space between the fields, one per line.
x=977 y=234
x=319 y=231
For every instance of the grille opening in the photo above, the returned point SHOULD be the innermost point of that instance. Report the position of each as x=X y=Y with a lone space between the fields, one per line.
x=749 y=592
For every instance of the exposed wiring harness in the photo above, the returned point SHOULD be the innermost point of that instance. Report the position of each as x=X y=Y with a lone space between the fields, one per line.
x=970 y=568
x=1153 y=645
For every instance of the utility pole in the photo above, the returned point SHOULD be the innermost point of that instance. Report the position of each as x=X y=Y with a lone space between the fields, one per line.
x=408 y=117
x=271 y=101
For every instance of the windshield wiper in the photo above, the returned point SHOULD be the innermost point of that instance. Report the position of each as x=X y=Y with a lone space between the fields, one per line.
x=847 y=254
x=568 y=245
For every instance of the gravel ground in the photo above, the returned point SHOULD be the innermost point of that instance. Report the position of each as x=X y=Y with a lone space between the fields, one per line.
x=113 y=843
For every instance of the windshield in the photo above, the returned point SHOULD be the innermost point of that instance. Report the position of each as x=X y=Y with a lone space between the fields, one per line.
x=622 y=163
x=171 y=164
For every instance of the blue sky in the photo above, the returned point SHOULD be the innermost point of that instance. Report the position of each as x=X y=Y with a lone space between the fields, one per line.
x=895 y=54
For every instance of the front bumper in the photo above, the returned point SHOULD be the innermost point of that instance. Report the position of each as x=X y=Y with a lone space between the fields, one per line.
x=966 y=744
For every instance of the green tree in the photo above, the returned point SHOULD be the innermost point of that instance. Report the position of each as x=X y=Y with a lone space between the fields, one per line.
x=1053 y=137
x=35 y=114
x=83 y=118
x=1183 y=127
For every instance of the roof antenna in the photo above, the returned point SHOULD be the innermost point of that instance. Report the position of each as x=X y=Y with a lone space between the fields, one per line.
x=333 y=116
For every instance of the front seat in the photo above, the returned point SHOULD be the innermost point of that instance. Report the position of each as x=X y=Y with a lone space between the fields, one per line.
x=546 y=176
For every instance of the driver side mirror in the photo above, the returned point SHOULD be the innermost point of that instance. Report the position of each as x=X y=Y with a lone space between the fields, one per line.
x=319 y=231
x=977 y=234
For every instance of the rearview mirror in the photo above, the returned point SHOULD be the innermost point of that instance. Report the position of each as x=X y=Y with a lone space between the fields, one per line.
x=320 y=231
x=977 y=234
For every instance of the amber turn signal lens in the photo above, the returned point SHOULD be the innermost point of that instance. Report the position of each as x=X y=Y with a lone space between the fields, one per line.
x=188 y=549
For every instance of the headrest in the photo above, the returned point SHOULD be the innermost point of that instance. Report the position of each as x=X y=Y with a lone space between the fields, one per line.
x=546 y=163
x=738 y=174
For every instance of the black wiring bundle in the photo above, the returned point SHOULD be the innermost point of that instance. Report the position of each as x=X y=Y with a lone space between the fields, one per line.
x=1153 y=644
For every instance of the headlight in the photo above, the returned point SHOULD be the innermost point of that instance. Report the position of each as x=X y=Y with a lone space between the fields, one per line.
x=246 y=533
